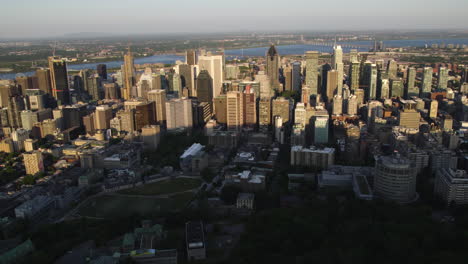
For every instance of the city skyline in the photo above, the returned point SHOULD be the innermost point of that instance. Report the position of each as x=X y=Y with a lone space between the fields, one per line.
x=39 y=20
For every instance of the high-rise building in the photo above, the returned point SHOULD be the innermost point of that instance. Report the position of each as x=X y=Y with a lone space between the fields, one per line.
x=111 y=91
x=452 y=186
x=312 y=157
x=33 y=162
x=427 y=80
x=352 y=105
x=220 y=103
x=24 y=83
x=205 y=88
x=48 y=127
x=15 y=106
x=28 y=119
x=191 y=57
x=19 y=136
x=214 y=65
x=353 y=55
x=312 y=72
x=409 y=118
x=103 y=116
x=43 y=78
x=93 y=86
x=321 y=128
x=102 y=71
x=187 y=77
x=354 y=75
x=59 y=80
x=370 y=80
x=159 y=99
x=337 y=64
x=337 y=105
x=433 y=108
x=300 y=115
x=129 y=79
x=413 y=90
x=397 y=88
x=150 y=135
x=332 y=84
x=264 y=113
x=384 y=89
x=287 y=73
x=272 y=67
x=296 y=82
x=234 y=110
x=305 y=95
x=89 y=123
x=127 y=120
x=179 y=114
x=250 y=109
x=175 y=84
x=6 y=145
x=392 y=69
x=281 y=108
x=395 y=179
x=266 y=90
x=442 y=78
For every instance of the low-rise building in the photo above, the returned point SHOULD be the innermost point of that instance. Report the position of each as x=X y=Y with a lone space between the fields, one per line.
x=312 y=157
x=195 y=241
x=36 y=208
x=452 y=186
x=245 y=201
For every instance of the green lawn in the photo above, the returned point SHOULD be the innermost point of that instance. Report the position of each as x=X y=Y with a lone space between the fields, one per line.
x=164 y=187
x=114 y=206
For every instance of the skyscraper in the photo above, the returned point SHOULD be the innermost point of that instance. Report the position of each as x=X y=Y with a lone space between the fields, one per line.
x=264 y=113
x=214 y=65
x=59 y=80
x=220 y=103
x=337 y=64
x=102 y=71
x=442 y=78
x=352 y=105
x=296 y=76
x=272 y=67
x=33 y=162
x=43 y=78
x=321 y=129
x=234 y=110
x=191 y=57
x=396 y=87
x=312 y=71
x=250 y=109
x=370 y=80
x=179 y=114
x=427 y=81
x=305 y=95
x=281 y=107
x=354 y=75
x=413 y=90
x=392 y=69
x=187 y=77
x=332 y=84
x=287 y=73
x=337 y=105
x=128 y=75
x=205 y=88
x=159 y=99
x=150 y=136
x=103 y=116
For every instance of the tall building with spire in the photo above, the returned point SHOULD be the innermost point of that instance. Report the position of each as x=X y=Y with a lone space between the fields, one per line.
x=272 y=67
x=59 y=80
x=129 y=75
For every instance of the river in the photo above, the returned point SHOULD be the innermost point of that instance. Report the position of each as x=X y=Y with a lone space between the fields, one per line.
x=282 y=50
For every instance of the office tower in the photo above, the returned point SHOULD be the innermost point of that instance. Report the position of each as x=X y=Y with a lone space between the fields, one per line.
x=278 y=129
x=384 y=89
x=103 y=115
x=427 y=80
x=272 y=67
x=127 y=120
x=287 y=73
x=264 y=113
x=434 y=107
x=175 y=84
x=234 y=111
x=43 y=78
x=220 y=103
x=300 y=115
x=442 y=79
x=102 y=71
x=413 y=90
x=266 y=90
x=232 y=72
x=352 y=105
x=111 y=91
x=312 y=72
x=159 y=99
x=85 y=74
x=321 y=129
x=28 y=119
x=296 y=82
x=397 y=88
x=93 y=84
x=332 y=84
x=150 y=136
x=337 y=64
x=6 y=91
x=48 y=127
x=353 y=55
x=187 y=77
x=15 y=106
x=337 y=105
x=305 y=95
x=214 y=65
x=89 y=123
x=392 y=69
x=370 y=80
x=23 y=83
x=19 y=136
x=59 y=80
x=395 y=179
x=179 y=114
x=144 y=113
x=33 y=162
x=73 y=116
x=281 y=107
x=191 y=57
x=452 y=186
x=205 y=88
x=129 y=79
x=250 y=109
x=354 y=75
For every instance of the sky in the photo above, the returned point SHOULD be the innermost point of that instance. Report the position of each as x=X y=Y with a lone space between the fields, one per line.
x=49 y=18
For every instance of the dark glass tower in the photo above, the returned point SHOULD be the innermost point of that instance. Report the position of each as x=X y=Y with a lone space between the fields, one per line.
x=59 y=80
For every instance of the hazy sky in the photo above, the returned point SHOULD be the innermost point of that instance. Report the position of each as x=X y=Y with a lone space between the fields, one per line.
x=41 y=18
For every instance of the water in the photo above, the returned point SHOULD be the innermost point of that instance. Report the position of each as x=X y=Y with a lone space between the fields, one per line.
x=282 y=50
